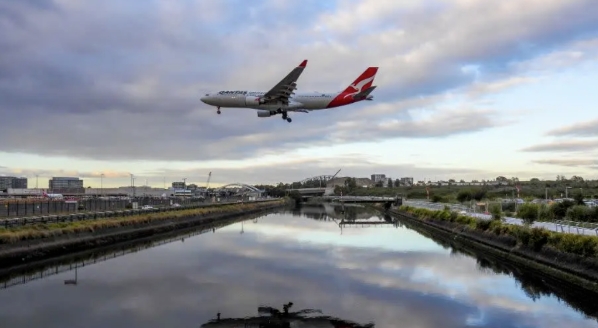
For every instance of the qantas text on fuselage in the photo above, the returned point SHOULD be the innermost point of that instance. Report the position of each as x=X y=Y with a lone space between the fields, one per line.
x=281 y=99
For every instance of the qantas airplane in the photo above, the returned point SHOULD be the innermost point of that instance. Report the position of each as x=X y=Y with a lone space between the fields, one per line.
x=281 y=99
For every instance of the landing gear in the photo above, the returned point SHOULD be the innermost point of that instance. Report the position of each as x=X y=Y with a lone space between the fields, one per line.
x=218 y=111
x=285 y=116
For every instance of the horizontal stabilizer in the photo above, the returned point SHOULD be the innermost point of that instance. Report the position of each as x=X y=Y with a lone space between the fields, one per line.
x=365 y=93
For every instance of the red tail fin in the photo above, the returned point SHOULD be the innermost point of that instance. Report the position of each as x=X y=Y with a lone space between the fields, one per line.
x=364 y=81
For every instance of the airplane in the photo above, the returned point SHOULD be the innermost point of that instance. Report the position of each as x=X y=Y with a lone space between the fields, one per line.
x=52 y=196
x=281 y=99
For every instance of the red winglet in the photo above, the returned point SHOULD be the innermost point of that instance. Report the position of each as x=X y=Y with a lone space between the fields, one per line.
x=303 y=63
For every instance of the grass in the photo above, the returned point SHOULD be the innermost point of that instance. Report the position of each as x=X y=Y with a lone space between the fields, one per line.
x=535 y=239
x=16 y=234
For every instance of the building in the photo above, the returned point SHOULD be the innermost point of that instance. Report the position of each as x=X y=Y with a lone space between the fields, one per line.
x=66 y=185
x=378 y=177
x=406 y=182
x=7 y=182
x=141 y=191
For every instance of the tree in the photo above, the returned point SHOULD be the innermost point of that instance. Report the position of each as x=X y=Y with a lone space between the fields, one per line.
x=501 y=179
x=397 y=183
x=351 y=183
x=464 y=196
x=559 y=210
x=578 y=199
x=479 y=194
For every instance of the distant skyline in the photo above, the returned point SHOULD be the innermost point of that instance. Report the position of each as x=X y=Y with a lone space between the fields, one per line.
x=466 y=90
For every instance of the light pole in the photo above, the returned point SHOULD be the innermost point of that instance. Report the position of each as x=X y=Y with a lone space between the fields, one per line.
x=36 y=176
x=102 y=184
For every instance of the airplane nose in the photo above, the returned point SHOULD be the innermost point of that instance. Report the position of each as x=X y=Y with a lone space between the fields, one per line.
x=203 y=99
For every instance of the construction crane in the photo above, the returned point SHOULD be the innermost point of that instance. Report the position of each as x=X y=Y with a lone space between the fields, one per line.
x=330 y=178
x=334 y=176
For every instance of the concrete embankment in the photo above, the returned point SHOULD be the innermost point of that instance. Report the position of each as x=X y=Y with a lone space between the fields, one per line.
x=41 y=246
x=574 y=270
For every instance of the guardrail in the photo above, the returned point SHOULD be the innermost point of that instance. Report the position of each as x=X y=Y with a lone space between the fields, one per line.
x=13 y=222
x=578 y=226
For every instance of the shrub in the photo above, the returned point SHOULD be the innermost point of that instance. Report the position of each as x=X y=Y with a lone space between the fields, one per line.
x=580 y=213
x=538 y=238
x=534 y=238
x=496 y=211
x=528 y=212
x=544 y=213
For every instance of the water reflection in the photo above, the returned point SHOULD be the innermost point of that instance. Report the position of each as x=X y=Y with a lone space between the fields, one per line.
x=274 y=318
x=393 y=277
x=534 y=285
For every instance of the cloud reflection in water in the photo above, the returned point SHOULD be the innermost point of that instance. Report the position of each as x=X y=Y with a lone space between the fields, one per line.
x=391 y=276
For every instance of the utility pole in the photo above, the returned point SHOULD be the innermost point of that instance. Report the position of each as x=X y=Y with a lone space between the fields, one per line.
x=102 y=184
x=133 y=184
x=36 y=176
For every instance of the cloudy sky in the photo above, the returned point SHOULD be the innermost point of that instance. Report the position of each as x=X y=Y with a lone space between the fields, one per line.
x=466 y=89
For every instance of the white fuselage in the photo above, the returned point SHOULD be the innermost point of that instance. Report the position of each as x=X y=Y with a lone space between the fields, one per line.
x=250 y=99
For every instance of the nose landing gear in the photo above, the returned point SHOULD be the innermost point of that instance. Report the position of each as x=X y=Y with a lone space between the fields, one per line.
x=218 y=110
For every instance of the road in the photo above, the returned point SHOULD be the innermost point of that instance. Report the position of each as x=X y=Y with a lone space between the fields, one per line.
x=560 y=226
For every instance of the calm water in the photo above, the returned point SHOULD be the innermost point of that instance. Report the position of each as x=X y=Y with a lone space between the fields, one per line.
x=387 y=274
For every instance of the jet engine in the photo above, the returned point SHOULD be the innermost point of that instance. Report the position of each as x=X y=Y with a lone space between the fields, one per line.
x=265 y=113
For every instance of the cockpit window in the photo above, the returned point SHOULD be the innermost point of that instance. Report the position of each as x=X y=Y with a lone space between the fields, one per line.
x=207 y=94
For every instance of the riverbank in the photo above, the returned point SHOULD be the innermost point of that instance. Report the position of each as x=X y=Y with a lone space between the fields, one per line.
x=24 y=273
x=540 y=250
x=28 y=244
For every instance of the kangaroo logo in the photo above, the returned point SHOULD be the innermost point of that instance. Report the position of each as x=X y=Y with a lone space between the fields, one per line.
x=359 y=85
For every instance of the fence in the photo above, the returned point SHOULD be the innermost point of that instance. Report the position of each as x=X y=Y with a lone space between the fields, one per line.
x=24 y=208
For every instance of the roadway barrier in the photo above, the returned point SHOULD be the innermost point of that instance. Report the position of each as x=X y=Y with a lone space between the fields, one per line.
x=13 y=222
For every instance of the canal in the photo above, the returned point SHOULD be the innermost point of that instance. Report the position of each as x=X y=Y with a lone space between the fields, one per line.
x=384 y=272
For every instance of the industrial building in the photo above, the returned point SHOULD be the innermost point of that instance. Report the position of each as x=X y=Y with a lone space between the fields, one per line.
x=378 y=177
x=406 y=182
x=66 y=185
x=10 y=182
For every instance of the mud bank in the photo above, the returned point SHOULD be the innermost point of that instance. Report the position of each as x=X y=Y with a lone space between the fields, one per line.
x=27 y=252
x=565 y=267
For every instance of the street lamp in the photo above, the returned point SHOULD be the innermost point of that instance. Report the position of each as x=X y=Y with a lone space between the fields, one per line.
x=102 y=184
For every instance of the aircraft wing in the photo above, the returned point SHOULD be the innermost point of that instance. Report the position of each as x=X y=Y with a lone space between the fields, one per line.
x=285 y=88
